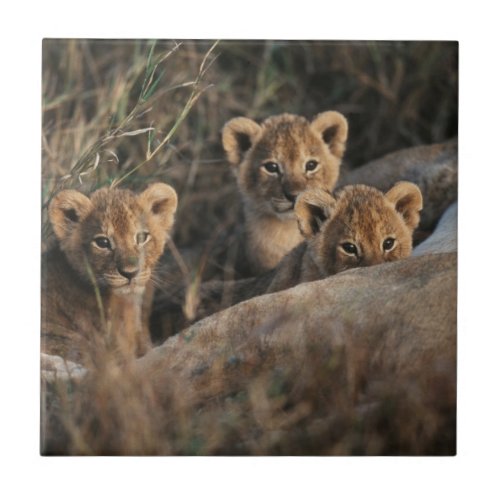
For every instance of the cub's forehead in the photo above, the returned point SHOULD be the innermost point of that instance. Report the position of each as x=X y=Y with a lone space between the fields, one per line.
x=107 y=199
x=359 y=198
x=288 y=134
x=116 y=208
x=365 y=209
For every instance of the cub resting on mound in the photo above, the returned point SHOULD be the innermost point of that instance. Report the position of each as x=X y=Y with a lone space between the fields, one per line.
x=274 y=162
x=358 y=226
x=94 y=280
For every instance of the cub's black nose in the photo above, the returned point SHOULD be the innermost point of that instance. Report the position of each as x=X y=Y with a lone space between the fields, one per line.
x=128 y=273
x=290 y=196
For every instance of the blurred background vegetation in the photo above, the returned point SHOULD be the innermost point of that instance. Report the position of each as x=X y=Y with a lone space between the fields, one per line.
x=107 y=104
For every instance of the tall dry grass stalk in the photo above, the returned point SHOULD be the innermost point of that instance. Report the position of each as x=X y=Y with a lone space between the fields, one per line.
x=104 y=131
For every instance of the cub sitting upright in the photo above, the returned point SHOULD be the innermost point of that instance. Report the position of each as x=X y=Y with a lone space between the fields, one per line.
x=94 y=280
x=274 y=162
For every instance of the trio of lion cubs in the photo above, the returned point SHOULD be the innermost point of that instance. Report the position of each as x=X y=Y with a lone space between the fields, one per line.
x=97 y=290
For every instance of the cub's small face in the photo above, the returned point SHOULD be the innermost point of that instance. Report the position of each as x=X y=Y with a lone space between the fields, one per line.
x=360 y=226
x=284 y=156
x=117 y=234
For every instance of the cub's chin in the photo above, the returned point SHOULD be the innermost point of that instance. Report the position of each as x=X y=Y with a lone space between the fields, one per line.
x=286 y=216
x=129 y=289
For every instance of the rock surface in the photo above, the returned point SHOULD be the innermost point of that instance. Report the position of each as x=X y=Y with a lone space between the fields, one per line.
x=444 y=237
x=399 y=317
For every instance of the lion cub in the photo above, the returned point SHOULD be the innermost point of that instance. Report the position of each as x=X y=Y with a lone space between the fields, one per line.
x=358 y=226
x=94 y=279
x=274 y=162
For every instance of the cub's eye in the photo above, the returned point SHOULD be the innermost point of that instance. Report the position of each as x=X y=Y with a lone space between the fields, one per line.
x=311 y=165
x=271 y=167
x=102 y=242
x=350 y=248
x=388 y=244
x=142 y=237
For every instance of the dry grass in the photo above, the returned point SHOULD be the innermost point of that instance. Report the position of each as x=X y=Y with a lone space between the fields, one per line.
x=395 y=95
x=132 y=112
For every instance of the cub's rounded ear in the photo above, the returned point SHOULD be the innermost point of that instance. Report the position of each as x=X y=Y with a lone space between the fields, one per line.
x=407 y=200
x=66 y=211
x=333 y=128
x=312 y=208
x=160 y=200
x=238 y=136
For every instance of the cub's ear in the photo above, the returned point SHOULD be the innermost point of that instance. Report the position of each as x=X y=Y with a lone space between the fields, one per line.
x=160 y=200
x=66 y=210
x=333 y=128
x=238 y=136
x=407 y=200
x=312 y=208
